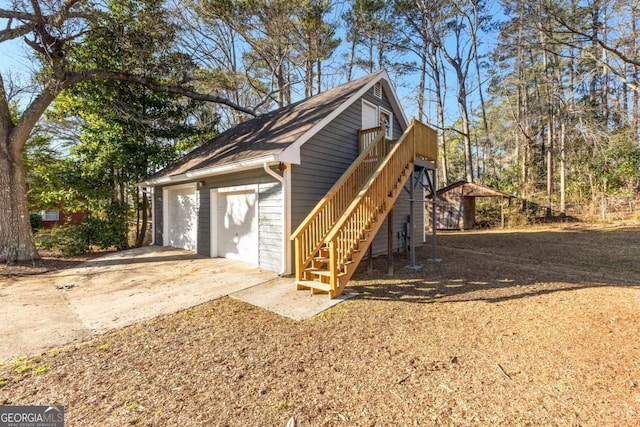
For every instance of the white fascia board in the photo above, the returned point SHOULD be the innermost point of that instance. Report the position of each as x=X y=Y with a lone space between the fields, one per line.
x=212 y=171
x=290 y=155
x=393 y=98
x=295 y=147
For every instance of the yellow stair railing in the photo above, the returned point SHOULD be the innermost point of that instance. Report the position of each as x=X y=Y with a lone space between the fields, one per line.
x=333 y=239
x=312 y=231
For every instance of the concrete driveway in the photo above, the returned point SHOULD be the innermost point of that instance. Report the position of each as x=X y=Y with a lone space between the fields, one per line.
x=53 y=309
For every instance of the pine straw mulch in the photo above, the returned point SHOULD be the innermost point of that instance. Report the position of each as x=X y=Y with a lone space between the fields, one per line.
x=512 y=328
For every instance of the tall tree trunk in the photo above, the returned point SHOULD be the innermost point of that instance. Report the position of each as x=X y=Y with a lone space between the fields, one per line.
x=16 y=238
x=464 y=114
x=635 y=12
x=563 y=118
x=352 y=58
x=460 y=60
x=485 y=139
x=136 y=204
x=595 y=13
x=318 y=76
x=423 y=77
x=280 y=82
x=143 y=208
x=308 y=77
x=437 y=81
x=522 y=141
x=550 y=113
x=381 y=46
x=549 y=157
x=563 y=168
x=466 y=131
x=238 y=116
x=605 y=72
x=17 y=244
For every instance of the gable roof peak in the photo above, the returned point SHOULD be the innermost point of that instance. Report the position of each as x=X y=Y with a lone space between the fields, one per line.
x=273 y=136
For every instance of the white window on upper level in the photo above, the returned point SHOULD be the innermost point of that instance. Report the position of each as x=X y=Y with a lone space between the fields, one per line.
x=369 y=115
x=386 y=120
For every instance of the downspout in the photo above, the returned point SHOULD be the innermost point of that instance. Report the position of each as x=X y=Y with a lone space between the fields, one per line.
x=285 y=241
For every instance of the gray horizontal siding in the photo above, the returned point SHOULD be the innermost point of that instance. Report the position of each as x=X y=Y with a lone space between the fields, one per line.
x=204 y=222
x=157 y=215
x=270 y=225
x=323 y=160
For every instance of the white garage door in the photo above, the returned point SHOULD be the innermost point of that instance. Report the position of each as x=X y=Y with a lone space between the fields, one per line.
x=237 y=225
x=181 y=218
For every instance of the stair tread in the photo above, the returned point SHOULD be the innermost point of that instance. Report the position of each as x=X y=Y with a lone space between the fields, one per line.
x=315 y=269
x=315 y=285
x=321 y=272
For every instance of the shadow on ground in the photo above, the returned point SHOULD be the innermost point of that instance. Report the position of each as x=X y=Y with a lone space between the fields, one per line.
x=500 y=266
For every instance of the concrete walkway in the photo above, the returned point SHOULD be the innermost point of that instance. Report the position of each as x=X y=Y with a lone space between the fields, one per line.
x=281 y=297
x=50 y=310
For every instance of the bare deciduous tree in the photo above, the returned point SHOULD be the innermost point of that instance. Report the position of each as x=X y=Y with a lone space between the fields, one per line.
x=52 y=30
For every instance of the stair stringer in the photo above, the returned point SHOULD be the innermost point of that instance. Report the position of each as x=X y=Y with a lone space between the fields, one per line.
x=339 y=253
x=340 y=273
x=350 y=267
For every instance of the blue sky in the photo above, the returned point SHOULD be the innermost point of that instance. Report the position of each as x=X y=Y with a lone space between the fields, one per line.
x=12 y=53
x=15 y=62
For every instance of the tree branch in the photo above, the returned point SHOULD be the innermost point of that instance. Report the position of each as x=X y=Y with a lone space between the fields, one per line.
x=631 y=85
x=30 y=20
x=23 y=16
x=27 y=17
x=602 y=44
x=31 y=115
x=36 y=109
x=80 y=76
x=5 y=116
x=14 y=33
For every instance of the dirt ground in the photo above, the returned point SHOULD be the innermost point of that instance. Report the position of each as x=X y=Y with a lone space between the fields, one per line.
x=536 y=327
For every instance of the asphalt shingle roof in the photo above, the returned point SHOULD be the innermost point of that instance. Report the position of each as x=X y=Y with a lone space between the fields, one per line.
x=265 y=135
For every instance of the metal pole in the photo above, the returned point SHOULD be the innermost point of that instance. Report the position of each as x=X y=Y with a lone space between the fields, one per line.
x=390 y=242
x=412 y=246
x=434 y=236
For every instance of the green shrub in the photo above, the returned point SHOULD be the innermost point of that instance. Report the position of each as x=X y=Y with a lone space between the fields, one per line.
x=70 y=240
x=36 y=221
x=104 y=232
x=111 y=230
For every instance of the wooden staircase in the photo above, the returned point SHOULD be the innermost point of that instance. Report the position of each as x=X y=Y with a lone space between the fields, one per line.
x=333 y=239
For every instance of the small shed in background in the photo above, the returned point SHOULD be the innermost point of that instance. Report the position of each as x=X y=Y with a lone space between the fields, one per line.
x=456 y=204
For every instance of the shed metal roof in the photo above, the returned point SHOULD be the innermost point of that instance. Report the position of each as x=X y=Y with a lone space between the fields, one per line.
x=471 y=189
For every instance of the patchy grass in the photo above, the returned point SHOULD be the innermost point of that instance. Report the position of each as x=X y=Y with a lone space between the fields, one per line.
x=40 y=370
x=512 y=328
